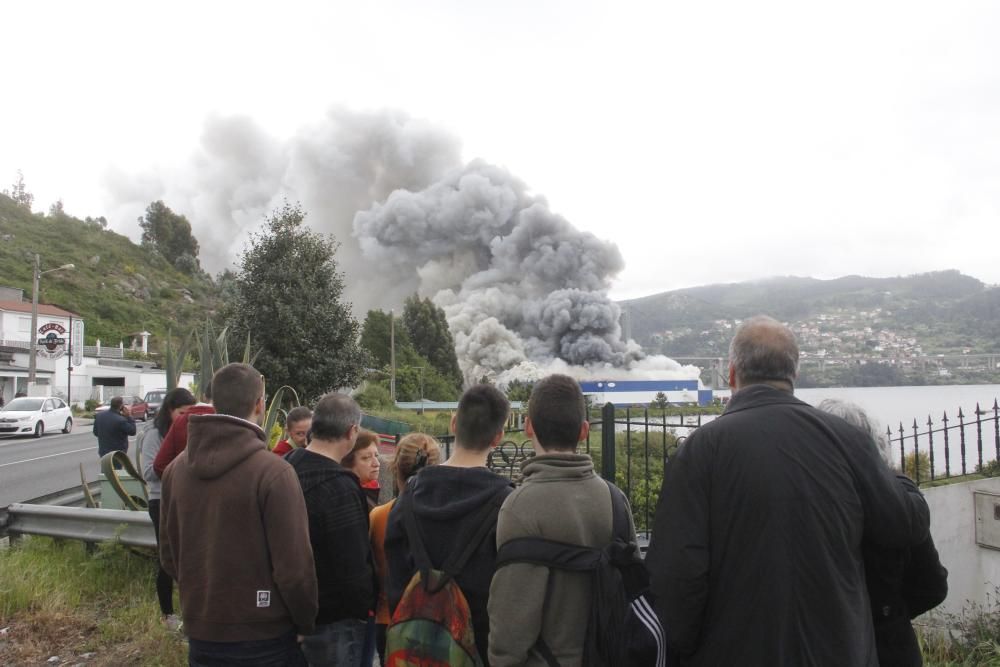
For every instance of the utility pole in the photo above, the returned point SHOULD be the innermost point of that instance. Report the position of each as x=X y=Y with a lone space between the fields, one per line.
x=33 y=343
x=69 y=366
x=32 y=366
x=392 y=356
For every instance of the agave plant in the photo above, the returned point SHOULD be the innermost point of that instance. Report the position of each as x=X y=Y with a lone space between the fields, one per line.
x=275 y=409
x=175 y=364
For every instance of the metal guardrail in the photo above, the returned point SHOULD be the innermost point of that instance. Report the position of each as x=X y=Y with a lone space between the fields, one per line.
x=81 y=523
x=71 y=497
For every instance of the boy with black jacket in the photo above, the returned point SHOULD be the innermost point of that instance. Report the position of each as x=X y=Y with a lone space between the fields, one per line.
x=446 y=499
x=338 y=531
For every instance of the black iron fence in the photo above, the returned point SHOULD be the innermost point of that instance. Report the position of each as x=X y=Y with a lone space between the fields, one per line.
x=631 y=447
x=628 y=446
x=950 y=447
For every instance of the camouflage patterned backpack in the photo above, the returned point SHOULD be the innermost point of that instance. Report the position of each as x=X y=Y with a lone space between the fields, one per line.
x=432 y=625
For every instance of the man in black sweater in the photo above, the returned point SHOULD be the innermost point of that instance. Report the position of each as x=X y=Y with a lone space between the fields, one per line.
x=338 y=530
x=447 y=500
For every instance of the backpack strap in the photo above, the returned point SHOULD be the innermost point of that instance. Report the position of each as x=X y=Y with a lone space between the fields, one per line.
x=619 y=514
x=540 y=551
x=417 y=546
x=482 y=523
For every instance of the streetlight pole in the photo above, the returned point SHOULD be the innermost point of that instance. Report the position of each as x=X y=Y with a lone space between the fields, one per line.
x=33 y=343
x=35 y=275
x=392 y=356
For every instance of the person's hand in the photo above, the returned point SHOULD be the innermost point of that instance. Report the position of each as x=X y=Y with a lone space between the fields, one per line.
x=300 y=638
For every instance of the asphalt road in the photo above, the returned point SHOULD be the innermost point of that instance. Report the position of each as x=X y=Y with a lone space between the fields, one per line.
x=30 y=468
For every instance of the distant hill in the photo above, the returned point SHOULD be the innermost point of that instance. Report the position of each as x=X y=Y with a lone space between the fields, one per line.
x=945 y=311
x=117 y=286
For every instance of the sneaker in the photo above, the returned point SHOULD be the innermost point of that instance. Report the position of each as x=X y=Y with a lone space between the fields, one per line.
x=173 y=622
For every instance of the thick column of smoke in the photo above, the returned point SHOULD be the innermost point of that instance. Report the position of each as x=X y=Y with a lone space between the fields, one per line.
x=524 y=291
x=522 y=288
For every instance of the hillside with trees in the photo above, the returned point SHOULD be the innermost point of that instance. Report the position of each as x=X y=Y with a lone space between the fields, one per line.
x=875 y=331
x=119 y=288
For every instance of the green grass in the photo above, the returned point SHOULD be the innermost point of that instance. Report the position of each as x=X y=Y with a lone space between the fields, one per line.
x=56 y=599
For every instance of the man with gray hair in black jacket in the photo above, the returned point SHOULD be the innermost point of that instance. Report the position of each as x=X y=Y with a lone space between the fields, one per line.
x=756 y=551
x=338 y=531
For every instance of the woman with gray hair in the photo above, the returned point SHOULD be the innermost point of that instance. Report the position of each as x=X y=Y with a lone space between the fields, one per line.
x=902 y=583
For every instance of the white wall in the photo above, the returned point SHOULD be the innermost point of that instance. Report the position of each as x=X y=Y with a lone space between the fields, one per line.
x=12 y=329
x=973 y=571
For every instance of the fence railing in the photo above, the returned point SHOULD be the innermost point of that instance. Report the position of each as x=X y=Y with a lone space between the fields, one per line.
x=629 y=447
x=943 y=448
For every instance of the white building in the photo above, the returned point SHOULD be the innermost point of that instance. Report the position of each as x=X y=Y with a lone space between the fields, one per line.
x=64 y=366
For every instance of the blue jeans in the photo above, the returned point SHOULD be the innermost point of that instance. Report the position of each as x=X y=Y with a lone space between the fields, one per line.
x=279 y=652
x=338 y=644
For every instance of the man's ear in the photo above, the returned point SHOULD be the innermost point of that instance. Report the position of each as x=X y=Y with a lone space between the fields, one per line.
x=584 y=431
x=732 y=376
x=529 y=428
x=454 y=422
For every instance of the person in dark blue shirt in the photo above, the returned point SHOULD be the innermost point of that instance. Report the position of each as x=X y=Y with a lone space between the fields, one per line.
x=113 y=427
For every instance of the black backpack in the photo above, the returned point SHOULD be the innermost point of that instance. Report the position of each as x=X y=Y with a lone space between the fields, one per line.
x=622 y=629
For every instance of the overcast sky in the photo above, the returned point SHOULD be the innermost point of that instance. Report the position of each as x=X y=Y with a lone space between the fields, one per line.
x=712 y=141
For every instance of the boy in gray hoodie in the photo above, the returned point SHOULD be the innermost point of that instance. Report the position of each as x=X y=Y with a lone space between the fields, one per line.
x=561 y=499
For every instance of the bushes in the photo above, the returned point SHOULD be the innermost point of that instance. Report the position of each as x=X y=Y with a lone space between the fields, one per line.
x=374 y=396
x=917 y=468
x=973 y=636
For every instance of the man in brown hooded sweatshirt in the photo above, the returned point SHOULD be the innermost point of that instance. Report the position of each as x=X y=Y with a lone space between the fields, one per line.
x=227 y=506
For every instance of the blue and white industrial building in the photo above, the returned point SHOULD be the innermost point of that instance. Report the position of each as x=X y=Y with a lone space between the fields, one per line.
x=643 y=392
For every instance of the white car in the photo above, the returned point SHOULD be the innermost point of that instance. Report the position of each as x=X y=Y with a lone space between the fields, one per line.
x=35 y=416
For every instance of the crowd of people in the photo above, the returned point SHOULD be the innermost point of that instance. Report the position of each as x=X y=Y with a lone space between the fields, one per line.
x=782 y=537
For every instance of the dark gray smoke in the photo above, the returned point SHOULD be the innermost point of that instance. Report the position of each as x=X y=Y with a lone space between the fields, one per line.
x=525 y=292
x=522 y=288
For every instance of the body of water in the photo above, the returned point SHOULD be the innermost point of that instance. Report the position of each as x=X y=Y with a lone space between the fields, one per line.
x=890 y=406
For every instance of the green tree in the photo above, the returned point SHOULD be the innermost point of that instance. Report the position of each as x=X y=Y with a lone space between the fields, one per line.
x=659 y=401
x=519 y=390
x=416 y=376
x=19 y=193
x=428 y=330
x=170 y=234
x=288 y=296
x=376 y=339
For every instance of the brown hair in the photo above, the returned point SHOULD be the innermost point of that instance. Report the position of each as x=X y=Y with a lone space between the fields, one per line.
x=365 y=440
x=296 y=415
x=237 y=388
x=557 y=412
x=482 y=413
x=414 y=452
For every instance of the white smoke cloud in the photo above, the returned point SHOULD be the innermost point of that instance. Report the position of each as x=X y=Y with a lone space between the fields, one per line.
x=525 y=293
x=335 y=167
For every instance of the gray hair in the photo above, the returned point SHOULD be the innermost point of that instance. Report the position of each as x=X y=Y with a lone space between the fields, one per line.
x=856 y=416
x=334 y=415
x=764 y=350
